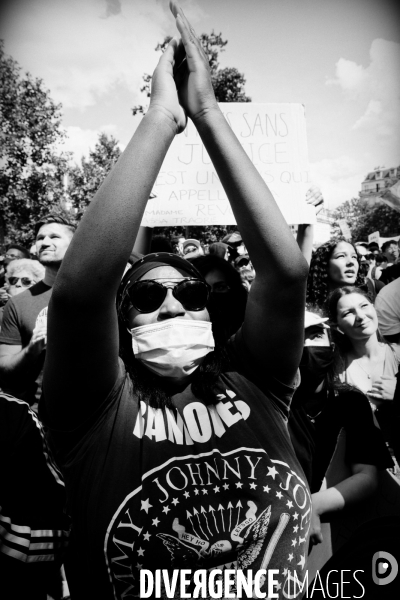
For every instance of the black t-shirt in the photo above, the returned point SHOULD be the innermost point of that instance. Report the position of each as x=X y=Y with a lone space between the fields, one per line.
x=19 y=320
x=391 y=273
x=314 y=438
x=193 y=486
x=34 y=528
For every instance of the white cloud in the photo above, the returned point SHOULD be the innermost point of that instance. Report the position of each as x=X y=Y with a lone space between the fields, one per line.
x=80 y=141
x=375 y=88
x=339 y=179
x=83 y=48
x=348 y=75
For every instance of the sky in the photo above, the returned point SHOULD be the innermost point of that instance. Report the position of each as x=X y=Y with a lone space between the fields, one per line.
x=340 y=58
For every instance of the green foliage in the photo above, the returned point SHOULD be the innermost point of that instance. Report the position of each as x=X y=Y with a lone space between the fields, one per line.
x=364 y=221
x=86 y=178
x=228 y=83
x=350 y=211
x=31 y=173
x=380 y=218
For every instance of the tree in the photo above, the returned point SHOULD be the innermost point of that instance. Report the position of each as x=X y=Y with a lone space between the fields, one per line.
x=228 y=83
x=380 y=218
x=363 y=220
x=86 y=178
x=31 y=173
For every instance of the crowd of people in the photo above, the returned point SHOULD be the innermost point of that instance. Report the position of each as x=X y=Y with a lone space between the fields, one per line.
x=179 y=409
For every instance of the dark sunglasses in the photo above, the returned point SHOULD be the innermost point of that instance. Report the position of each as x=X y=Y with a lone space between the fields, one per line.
x=148 y=296
x=26 y=282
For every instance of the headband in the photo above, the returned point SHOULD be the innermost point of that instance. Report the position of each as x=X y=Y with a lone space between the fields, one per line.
x=147 y=263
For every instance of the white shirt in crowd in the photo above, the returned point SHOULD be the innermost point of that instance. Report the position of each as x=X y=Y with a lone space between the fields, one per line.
x=387 y=306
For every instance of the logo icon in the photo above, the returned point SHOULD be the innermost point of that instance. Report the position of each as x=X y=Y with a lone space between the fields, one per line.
x=384 y=568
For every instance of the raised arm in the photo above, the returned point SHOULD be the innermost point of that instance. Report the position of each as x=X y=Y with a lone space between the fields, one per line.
x=272 y=332
x=305 y=231
x=82 y=347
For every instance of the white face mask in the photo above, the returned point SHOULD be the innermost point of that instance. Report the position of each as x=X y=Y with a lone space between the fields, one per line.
x=173 y=348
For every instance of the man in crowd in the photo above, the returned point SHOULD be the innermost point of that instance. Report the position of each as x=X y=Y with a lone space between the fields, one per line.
x=24 y=328
x=390 y=249
x=192 y=248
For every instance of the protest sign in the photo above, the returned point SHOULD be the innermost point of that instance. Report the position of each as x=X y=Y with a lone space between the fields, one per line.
x=189 y=192
x=345 y=229
x=374 y=237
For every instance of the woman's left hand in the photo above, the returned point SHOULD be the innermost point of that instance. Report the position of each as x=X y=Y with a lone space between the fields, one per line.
x=383 y=388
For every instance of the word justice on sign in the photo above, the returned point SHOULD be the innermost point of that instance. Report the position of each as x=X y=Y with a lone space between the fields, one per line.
x=188 y=190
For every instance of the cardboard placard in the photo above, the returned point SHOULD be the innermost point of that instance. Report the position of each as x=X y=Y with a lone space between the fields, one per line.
x=346 y=231
x=374 y=237
x=189 y=192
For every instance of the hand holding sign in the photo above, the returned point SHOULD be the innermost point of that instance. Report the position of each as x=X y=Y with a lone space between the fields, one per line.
x=196 y=93
x=315 y=198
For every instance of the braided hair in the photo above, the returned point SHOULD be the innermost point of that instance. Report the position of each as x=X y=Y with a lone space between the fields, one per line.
x=318 y=276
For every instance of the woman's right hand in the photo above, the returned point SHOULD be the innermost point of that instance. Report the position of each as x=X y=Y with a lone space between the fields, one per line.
x=193 y=76
x=164 y=94
x=383 y=388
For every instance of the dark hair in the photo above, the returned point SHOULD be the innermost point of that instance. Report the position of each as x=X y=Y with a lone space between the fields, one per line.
x=226 y=311
x=386 y=245
x=61 y=217
x=318 y=279
x=380 y=258
x=160 y=243
x=331 y=379
x=23 y=250
x=373 y=246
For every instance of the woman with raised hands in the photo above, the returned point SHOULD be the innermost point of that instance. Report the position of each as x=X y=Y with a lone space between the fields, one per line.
x=174 y=445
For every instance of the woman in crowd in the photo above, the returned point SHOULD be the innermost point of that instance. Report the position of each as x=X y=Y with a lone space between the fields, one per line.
x=20 y=275
x=320 y=409
x=368 y=363
x=178 y=457
x=23 y=274
x=333 y=265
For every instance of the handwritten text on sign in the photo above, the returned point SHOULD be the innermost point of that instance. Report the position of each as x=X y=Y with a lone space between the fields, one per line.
x=189 y=192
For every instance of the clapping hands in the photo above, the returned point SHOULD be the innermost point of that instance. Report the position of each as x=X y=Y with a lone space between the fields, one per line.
x=181 y=83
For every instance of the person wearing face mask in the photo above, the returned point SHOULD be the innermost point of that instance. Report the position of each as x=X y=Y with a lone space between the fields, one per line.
x=175 y=455
x=321 y=408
